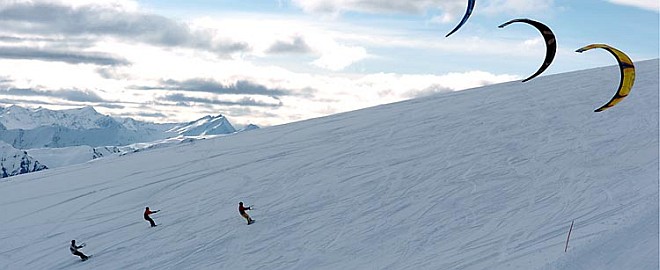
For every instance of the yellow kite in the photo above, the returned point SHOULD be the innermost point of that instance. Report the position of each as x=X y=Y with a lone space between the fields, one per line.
x=627 y=74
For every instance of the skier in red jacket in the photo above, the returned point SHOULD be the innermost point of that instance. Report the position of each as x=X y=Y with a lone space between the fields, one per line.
x=148 y=212
x=241 y=209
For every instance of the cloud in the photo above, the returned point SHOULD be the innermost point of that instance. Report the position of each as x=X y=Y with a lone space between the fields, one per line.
x=23 y=102
x=93 y=20
x=184 y=100
x=110 y=106
x=66 y=94
x=421 y=6
x=370 y=6
x=111 y=73
x=518 y=7
x=397 y=86
x=147 y=115
x=71 y=57
x=653 y=5
x=297 y=45
x=338 y=57
x=210 y=86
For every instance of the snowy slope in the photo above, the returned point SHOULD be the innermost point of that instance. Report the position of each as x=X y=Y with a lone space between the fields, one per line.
x=488 y=178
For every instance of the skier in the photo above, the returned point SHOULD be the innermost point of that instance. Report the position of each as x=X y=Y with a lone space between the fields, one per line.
x=148 y=212
x=242 y=209
x=74 y=250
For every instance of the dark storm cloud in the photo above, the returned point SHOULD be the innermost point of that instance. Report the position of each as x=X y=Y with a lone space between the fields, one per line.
x=211 y=86
x=67 y=94
x=186 y=100
x=297 y=45
x=54 y=19
x=96 y=58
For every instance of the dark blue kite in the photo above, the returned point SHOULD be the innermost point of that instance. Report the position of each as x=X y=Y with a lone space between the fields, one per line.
x=470 y=7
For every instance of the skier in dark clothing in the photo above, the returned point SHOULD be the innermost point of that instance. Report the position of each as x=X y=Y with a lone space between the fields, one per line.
x=148 y=212
x=74 y=250
x=241 y=209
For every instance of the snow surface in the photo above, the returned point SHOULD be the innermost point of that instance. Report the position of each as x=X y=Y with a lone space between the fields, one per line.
x=488 y=178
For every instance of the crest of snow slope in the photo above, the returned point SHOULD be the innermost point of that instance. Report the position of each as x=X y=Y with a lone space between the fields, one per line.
x=60 y=157
x=487 y=178
x=15 y=162
x=66 y=156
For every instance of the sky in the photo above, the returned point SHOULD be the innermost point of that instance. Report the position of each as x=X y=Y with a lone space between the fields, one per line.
x=271 y=62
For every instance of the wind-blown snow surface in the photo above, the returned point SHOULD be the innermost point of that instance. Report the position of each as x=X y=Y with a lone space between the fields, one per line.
x=486 y=178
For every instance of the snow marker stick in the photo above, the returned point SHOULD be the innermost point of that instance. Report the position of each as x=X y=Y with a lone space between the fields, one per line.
x=569 y=235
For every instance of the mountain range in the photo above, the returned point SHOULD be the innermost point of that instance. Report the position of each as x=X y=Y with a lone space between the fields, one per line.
x=63 y=137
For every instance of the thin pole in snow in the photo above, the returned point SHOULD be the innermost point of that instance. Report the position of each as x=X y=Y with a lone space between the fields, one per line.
x=569 y=235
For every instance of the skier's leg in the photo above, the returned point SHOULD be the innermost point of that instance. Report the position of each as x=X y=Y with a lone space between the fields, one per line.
x=247 y=217
x=81 y=255
x=151 y=221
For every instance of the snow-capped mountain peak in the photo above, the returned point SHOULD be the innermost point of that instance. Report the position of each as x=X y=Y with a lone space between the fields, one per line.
x=16 y=117
x=207 y=125
x=82 y=110
x=249 y=127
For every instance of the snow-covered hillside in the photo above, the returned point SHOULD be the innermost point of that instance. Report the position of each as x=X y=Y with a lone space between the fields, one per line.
x=487 y=178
